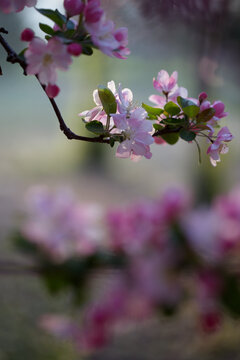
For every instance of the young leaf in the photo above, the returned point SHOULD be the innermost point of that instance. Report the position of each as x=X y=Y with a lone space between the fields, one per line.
x=206 y=115
x=189 y=107
x=95 y=127
x=172 y=108
x=53 y=15
x=171 y=138
x=187 y=135
x=47 y=29
x=153 y=112
x=172 y=121
x=87 y=50
x=108 y=100
x=157 y=127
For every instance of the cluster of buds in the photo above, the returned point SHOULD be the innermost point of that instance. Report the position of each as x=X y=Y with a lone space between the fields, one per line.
x=158 y=251
x=83 y=27
x=174 y=116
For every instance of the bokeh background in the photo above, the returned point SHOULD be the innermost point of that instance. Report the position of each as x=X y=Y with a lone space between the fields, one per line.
x=200 y=39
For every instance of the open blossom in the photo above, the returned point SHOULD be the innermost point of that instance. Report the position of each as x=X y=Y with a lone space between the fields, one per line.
x=9 y=6
x=97 y=113
x=167 y=85
x=44 y=59
x=111 y=41
x=218 y=146
x=136 y=131
x=61 y=227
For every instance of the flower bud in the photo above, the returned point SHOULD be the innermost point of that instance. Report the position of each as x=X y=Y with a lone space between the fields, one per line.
x=73 y=7
x=52 y=90
x=27 y=35
x=74 y=49
x=202 y=96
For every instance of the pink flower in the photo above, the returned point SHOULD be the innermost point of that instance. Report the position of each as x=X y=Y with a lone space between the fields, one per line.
x=73 y=7
x=97 y=113
x=59 y=226
x=136 y=131
x=165 y=83
x=8 y=6
x=110 y=41
x=44 y=59
x=218 y=146
x=121 y=35
x=160 y=101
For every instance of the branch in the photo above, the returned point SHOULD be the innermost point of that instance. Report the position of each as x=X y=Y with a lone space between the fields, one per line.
x=13 y=58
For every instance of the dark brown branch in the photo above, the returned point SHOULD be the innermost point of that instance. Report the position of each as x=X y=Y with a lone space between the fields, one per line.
x=13 y=58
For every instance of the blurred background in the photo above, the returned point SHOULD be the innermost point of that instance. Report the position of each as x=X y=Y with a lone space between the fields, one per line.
x=198 y=38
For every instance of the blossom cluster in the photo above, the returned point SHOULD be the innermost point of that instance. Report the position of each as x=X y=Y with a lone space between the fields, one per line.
x=174 y=116
x=84 y=26
x=168 y=249
x=9 y=6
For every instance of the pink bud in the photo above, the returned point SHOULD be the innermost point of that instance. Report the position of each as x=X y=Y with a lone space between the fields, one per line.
x=74 y=49
x=52 y=90
x=202 y=96
x=27 y=35
x=73 y=7
x=93 y=11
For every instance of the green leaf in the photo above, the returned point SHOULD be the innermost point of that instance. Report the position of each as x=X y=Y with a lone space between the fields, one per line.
x=187 y=135
x=189 y=107
x=173 y=121
x=184 y=102
x=191 y=111
x=47 y=29
x=87 y=50
x=153 y=112
x=172 y=108
x=111 y=142
x=108 y=100
x=171 y=138
x=157 y=127
x=206 y=115
x=95 y=127
x=53 y=15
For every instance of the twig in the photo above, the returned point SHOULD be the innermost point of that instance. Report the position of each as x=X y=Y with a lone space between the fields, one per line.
x=13 y=58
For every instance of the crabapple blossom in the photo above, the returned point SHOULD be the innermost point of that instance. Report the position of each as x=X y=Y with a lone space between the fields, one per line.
x=44 y=59
x=97 y=113
x=103 y=34
x=9 y=6
x=59 y=226
x=218 y=146
x=167 y=85
x=136 y=131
